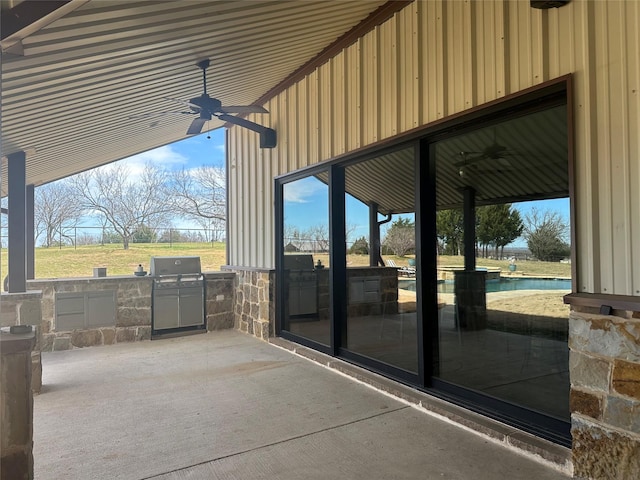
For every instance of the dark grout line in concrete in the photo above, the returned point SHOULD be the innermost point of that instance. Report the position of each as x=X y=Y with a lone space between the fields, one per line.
x=280 y=442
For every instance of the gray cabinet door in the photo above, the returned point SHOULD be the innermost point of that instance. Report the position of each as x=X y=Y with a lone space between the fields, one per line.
x=166 y=309
x=191 y=307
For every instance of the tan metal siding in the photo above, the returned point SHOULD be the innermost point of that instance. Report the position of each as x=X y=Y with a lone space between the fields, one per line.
x=436 y=58
x=632 y=139
x=338 y=105
x=354 y=96
x=431 y=48
x=370 y=80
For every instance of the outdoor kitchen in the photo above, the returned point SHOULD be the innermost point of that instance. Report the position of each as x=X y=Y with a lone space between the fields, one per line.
x=172 y=299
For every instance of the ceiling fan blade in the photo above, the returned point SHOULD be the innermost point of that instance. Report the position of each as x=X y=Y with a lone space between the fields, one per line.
x=268 y=136
x=196 y=126
x=244 y=109
x=184 y=102
x=243 y=123
x=158 y=114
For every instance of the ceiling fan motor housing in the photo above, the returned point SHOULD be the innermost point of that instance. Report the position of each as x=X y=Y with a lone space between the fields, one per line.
x=205 y=102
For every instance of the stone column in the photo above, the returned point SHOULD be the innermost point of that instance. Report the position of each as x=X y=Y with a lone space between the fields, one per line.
x=605 y=393
x=254 y=310
x=26 y=309
x=16 y=405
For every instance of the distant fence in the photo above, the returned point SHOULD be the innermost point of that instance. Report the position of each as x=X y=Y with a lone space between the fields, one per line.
x=80 y=236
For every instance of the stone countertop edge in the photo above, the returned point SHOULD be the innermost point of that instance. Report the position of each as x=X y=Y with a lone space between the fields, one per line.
x=112 y=277
x=16 y=295
x=16 y=342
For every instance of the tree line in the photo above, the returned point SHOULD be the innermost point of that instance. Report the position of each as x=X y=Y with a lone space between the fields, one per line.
x=497 y=226
x=127 y=206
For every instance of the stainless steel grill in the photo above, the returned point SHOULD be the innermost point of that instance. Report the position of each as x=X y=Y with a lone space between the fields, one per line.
x=178 y=295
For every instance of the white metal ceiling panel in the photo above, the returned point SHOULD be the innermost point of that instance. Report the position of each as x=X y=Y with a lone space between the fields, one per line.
x=69 y=96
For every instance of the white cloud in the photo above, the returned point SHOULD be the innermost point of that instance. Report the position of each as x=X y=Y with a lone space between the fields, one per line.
x=300 y=191
x=165 y=157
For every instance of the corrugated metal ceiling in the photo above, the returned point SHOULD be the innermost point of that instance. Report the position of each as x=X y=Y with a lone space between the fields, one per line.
x=68 y=97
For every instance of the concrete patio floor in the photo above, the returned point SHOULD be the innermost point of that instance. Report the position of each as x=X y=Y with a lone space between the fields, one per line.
x=225 y=405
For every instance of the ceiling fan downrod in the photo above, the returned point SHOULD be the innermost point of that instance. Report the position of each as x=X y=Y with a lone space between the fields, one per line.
x=204 y=64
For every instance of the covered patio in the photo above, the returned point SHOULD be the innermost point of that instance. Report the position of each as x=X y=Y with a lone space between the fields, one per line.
x=223 y=406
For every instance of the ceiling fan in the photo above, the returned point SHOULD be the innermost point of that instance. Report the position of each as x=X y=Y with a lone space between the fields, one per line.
x=493 y=151
x=207 y=107
x=495 y=155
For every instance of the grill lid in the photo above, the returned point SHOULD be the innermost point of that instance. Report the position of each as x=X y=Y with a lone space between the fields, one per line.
x=174 y=265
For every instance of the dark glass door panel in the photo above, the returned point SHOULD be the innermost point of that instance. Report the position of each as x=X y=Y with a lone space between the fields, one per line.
x=381 y=312
x=306 y=259
x=502 y=330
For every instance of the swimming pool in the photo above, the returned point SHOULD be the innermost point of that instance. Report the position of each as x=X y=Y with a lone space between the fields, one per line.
x=502 y=285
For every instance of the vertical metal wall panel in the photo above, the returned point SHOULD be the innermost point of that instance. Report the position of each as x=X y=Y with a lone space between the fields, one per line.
x=437 y=58
x=614 y=158
x=556 y=32
x=433 y=61
x=604 y=150
x=408 y=69
x=519 y=39
x=326 y=130
x=313 y=126
x=337 y=109
x=233 y=206
x=489 y=51
x=533 y=33
x=370 y=76
x=244 y=172
x=353 y=102
x=282 y=114
x=458 y=53
x=252 y=164
x=632 y=20
x=388 y=88
x=580 y=46
x=290 y=143
x=265 y=201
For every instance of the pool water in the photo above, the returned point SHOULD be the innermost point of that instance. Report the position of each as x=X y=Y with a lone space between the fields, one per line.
x=502 y=285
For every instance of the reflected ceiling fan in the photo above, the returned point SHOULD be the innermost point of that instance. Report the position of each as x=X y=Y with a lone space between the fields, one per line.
x=207 y=107
x=493 y=151
x=494 y=154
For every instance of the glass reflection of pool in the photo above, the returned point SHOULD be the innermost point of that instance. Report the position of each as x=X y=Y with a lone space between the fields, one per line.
x=502 y=285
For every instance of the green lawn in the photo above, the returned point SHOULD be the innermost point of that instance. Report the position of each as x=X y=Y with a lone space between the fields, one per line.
x=70 y=262
x=529 y=267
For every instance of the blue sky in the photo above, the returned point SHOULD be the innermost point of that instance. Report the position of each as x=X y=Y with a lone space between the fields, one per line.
x=192 y=152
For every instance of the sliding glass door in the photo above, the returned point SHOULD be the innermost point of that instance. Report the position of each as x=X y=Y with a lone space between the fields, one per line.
x=442 y=261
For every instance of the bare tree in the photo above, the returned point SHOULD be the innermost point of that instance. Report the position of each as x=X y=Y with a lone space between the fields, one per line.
x=400 y=237
x=547 y=234
x=55 y=210
x=199 y=194
x=293 y=239
x=126 y=205
x=318 y=236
